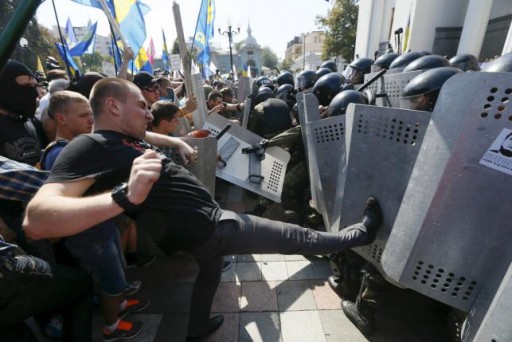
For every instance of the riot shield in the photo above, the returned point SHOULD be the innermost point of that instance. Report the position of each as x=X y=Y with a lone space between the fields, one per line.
x=453 y=226
x=489 y=318
x=382 y=148
x=204 y=167
x=200 y=113
x=326 y=141
x=244 y=88
x=239 y=168
x=390 y=86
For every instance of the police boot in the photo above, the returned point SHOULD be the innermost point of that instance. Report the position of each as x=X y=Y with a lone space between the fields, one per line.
x=347 y=279
x=362 y=312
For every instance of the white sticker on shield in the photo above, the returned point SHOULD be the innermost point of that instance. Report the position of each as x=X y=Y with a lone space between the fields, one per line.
x=499 y=155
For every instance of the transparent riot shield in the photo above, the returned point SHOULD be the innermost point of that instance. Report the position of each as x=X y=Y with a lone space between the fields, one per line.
x=244 y=88
x=382 y=147
x=240 y=168
x=489 y=318
x=453 y=226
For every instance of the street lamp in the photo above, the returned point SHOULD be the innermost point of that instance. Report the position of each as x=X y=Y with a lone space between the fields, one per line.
x=230 y=34
x=304 y=51
x=24 y=46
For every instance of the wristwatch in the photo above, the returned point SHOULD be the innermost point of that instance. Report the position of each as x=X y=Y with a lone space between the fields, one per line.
x=119 y=196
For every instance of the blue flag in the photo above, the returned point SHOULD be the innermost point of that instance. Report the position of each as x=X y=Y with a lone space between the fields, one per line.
x=66 y=57
x=81 y=47
x=165 y=53
x=70 y=34
x=204 y=32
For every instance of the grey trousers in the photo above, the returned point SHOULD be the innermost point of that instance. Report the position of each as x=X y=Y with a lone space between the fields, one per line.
x=247 y=234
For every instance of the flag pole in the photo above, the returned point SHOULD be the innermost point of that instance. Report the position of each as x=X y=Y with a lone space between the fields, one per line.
x=113 y=23
x=63 y=42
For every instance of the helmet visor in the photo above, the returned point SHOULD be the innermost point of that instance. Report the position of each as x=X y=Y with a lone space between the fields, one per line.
x=376 y=68
x=353 y=75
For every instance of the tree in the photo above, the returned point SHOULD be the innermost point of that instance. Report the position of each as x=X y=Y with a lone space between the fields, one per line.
x=286 y=64
x=340 y=25
x=93 y=62
x=40 y=42
x=175 y=48
x=268 y=57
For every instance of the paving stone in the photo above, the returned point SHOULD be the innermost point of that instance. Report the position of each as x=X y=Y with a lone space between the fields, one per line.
x=258 y=296
x=274 y=270
x=295 y=257
x=337 y=327
x=228 y=331
x=301 y=326
x=300 y=270
x=325 y=297
x=248 y=271
x=249 y=257
x=294 y=295
x=322 y=269
x=226 y=298
x=272 y=257
x=260 y=327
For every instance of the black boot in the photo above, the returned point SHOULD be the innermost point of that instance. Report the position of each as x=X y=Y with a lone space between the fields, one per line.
x=362 y=319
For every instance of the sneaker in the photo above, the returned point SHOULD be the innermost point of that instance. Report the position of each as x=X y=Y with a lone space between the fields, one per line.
x=133 y=305
x=132 y=288
x=226 y=265
x=141 y=260
x=125 y=330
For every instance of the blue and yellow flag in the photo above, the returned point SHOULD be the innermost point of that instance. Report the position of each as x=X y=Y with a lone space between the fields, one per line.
x=81 y=47
x=141 y=62
x=204 y=32
x=70 y=63
x=70 y=36
x=165 y=53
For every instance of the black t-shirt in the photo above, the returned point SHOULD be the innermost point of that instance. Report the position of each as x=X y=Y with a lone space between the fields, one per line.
x=107 y=157
x=21 y=141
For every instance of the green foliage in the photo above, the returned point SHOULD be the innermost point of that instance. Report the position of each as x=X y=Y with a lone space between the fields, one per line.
x=340 y=25
x=40 y=42
x=175 y=48
x=92 y=62
x=268 y=57
x=286 y=64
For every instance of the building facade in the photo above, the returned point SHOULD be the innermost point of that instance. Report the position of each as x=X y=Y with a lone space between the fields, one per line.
x=479 y=27
x=305 y=51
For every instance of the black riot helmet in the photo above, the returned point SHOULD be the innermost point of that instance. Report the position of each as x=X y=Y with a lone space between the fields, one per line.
x=286 y=92
x=262 y=81
x=327 y=87
x=384 y=61
x=501 y=64
x=340 y=102
x=305 y=80
x=270 y=118
x=329 y=65
x=323 y=71
x=406 y=59
x=354 y=73
x=427 y=62
x=422 y=91
x=465 y=62
x=285 y=77
x=264 y=93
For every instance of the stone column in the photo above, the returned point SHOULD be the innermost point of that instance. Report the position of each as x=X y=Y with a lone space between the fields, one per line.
x=475 y=26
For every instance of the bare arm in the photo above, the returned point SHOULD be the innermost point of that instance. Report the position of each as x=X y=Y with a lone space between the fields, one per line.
x=123 y=69
x=59 y=210
x=187 y=153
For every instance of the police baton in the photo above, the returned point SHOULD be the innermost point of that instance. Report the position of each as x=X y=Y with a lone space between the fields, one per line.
x=371 y=80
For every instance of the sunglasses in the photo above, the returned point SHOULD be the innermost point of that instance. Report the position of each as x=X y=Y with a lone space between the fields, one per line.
x=152 y=89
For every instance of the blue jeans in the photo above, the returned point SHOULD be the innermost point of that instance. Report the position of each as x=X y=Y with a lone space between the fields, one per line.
x=105 y=261
x=30 y=286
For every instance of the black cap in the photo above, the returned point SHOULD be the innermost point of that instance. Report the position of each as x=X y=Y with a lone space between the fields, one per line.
x=144 y=79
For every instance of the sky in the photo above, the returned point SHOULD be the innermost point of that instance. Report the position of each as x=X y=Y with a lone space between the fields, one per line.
x=273 y=22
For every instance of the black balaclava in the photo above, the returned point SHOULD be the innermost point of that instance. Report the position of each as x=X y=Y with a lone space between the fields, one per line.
x=17 y=99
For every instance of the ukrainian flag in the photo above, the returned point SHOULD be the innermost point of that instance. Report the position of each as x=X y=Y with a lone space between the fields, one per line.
x=204 y=32
x=81 y=47
x=165 y=53
x=70 y=63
